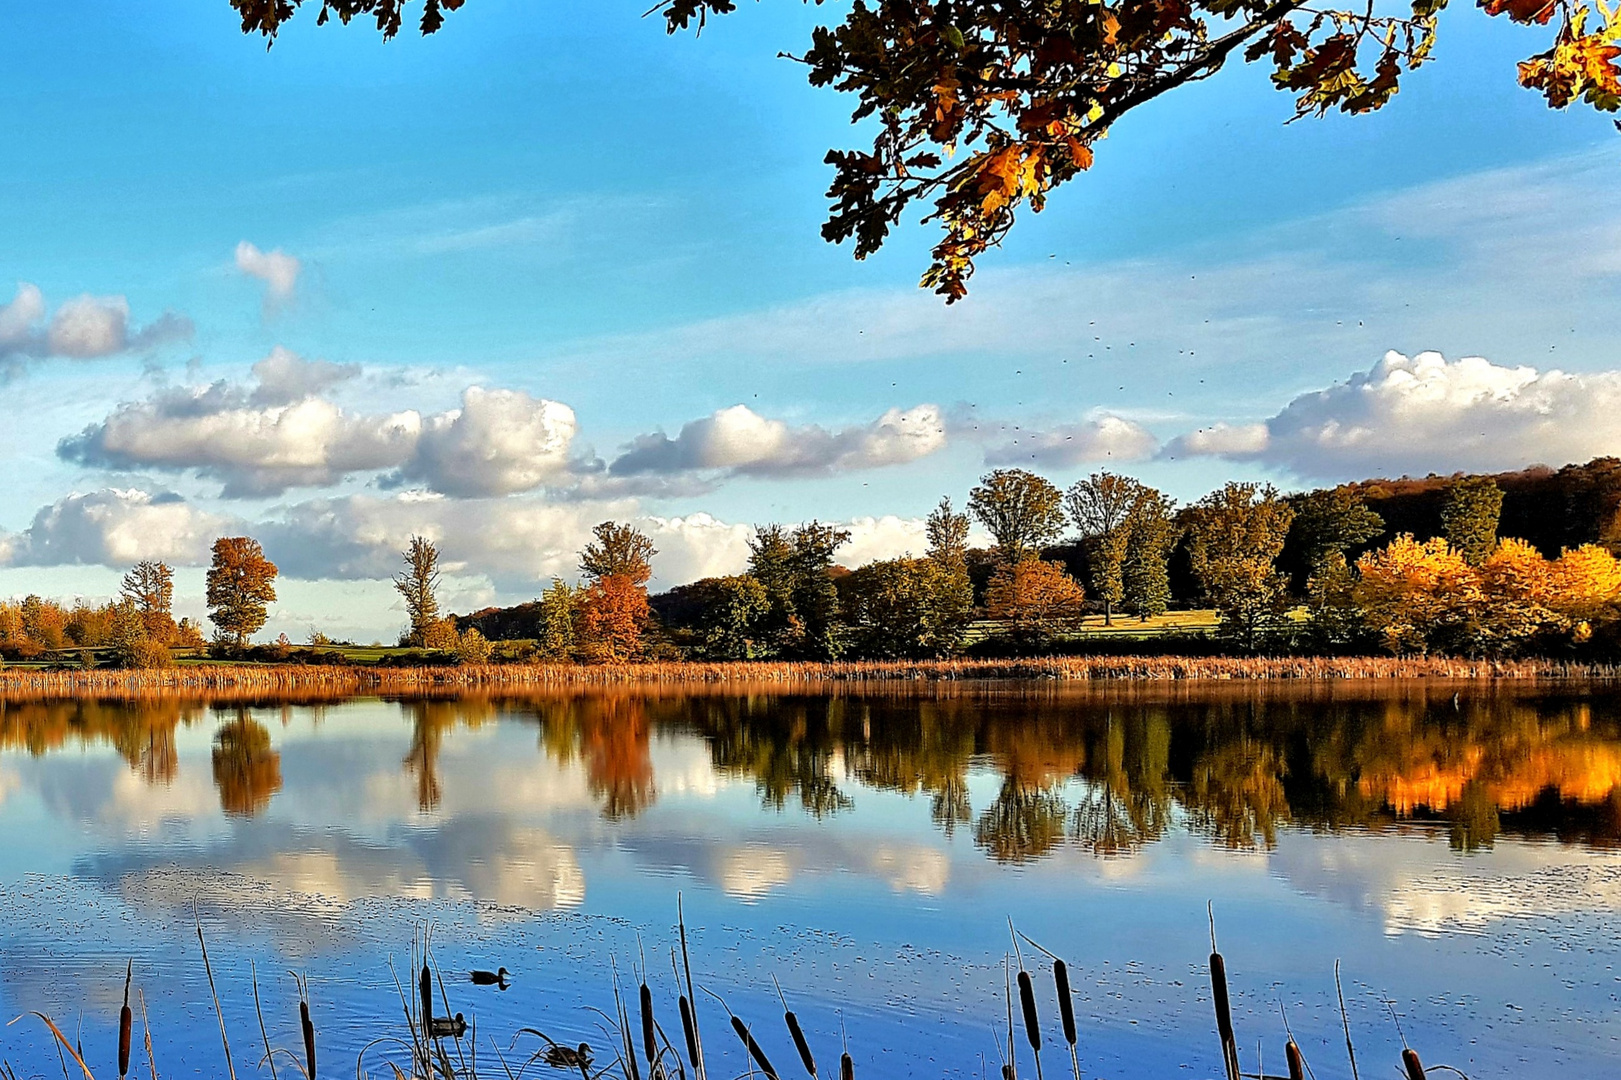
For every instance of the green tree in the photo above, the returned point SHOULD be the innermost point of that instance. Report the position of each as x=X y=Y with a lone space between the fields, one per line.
x=731 y=618
x=1022 y=511
x=1234 y=538
x=418 y=584
x=559 y=609
x=983 y=107
x=907 y=608
x=795 y=569
x=149 y=585
x=1101 y=507
x=133 y=646
x=1469 y=516
x=1331 y=520
x=947 y=533
x=1145 y=578
x=241 y=585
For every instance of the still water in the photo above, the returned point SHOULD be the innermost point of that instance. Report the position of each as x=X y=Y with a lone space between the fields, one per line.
x=1453 y=845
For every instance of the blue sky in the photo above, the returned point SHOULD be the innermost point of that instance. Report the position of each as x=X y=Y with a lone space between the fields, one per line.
x=556 y=203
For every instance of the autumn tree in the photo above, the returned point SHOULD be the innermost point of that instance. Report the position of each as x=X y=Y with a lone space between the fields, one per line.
x=979 y=109
x=617 y=565
x=559 y=614
x=133 y=647
x=417 y=584
x=1036 y=599
x=1100 y=508
x=1469 y=517
x=1234 y=537
x=1416 y=596
x=241 y=585
x=247 y=770
x=1022 y=511
x=149 y=586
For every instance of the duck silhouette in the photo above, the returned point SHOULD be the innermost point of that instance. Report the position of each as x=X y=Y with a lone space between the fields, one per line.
x=497 y=978
x=447 y=1027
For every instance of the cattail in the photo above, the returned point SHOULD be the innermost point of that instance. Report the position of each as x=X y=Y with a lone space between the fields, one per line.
x=1066 y=1006
x=425 y=985
x=1297 y=1064
x=1027 y=1000
x=796 y=1032
x=847 y=1067
x=755 y=1052
x=649 y=1043
x=800 y=1044
x=309 y=1037
x=126 y=1023
x=689 y=1030
x=1224 y=1015
x=1415 y=1067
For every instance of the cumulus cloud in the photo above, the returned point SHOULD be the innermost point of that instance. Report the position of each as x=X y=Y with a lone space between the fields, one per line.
x=1425 y=413
x=84 y=328
x=1105 y=438
x=282 y=433
x=497 y=443
x=739 y=441
x=115 y=527
x=277 y=269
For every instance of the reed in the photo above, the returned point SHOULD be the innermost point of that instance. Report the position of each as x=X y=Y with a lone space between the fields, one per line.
x=335 y=683
x=126 y=1024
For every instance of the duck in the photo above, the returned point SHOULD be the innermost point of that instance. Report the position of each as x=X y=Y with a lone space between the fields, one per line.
x=497 y=978
x=447 y=1027
x=561 y=1057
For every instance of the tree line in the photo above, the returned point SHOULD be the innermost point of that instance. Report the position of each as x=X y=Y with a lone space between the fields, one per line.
x=1317 y=571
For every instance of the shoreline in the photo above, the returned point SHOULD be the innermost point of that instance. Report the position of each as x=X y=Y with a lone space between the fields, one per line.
x=344 y=681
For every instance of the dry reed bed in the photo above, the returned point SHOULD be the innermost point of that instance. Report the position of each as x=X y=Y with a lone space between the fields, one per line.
x=244 y=682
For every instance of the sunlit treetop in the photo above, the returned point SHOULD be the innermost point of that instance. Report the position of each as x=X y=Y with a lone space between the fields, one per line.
x=984 y=106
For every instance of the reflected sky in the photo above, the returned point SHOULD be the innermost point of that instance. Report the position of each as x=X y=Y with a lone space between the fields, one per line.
x=1454 y=844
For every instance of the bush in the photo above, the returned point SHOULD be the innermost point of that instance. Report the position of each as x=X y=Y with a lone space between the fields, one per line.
x=473 y=648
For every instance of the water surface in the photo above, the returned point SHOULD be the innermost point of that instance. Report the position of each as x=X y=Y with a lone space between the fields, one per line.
x=1454 y=845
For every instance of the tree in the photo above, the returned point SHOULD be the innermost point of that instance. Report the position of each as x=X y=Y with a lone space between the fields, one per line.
x=132 y=645
x=246 y=768
x=907 y=608
x=1416 y=596
x=1234 y=537
x=730 y=617
x=1470 y=515
x=613 y=605
x=947 y=533
x=795 y=569
x=418 y=584
x=1331 y=520
x=473 y=647
x=981 y=108
x=1022 y=511
x=149 y=586
x=241 y=583
x=1036 y=599
x=618 y=551
x=1145 y=579
x=1586 y=585
x=559 y=611
x=1100 y=507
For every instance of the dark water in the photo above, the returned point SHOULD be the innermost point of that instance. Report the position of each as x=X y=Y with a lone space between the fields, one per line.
x=1456 y=853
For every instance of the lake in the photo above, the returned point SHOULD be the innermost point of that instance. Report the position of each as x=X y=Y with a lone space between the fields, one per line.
x=1453 y=845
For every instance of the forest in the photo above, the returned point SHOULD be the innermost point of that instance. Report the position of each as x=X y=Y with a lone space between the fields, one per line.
x=1514 y=564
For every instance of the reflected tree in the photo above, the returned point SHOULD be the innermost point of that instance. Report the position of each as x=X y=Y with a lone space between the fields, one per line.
x=247 y=770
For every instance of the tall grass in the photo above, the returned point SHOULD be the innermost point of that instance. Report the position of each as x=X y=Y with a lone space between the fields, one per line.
x=333 y=683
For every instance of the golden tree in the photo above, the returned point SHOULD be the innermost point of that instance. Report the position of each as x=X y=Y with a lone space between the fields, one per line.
x=241 y=584
x=1036 y=598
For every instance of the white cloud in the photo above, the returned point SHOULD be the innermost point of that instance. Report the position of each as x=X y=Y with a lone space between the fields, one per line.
x=739 y=441
x=497 y=443
x=115 y=527
x=84 y=328
x=1105 y=438
x=283 y=434
x=1427 y=414
x=277 y=269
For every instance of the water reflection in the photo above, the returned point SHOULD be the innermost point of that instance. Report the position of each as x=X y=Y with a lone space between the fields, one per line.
x=1107 y=769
